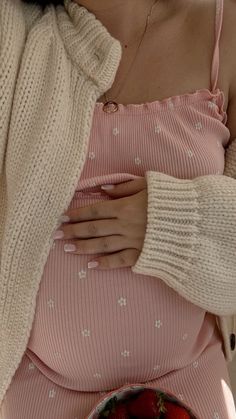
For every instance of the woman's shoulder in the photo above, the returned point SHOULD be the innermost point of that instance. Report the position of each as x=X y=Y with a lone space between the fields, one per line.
x=229 y=44
x=202 y=22
x=228 y=40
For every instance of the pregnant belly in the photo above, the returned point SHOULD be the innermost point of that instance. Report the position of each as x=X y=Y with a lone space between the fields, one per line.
x=97 y=329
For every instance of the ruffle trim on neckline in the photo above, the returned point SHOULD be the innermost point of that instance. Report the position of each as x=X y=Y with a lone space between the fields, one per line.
x=172 y=102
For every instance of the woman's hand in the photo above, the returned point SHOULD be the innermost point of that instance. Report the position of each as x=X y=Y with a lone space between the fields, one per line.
x=116 y=226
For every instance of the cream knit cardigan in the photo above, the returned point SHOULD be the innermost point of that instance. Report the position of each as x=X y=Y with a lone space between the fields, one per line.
x=54 y=65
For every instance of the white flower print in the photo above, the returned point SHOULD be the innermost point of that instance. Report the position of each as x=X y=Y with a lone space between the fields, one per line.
x=53 y=245
x=52 y=393
x=125 y=353
x=115 y=131
x=158 y=323
x=190 y=153
x=31 y=366
x=211 y=104
x=91 y=155
x=86 y=332
x=82 y=274
x=137 y=160
x=198 y=125
x=122 y=301
x=97 y=375
x=157 y=129
x=50 y=303
x=57 y=355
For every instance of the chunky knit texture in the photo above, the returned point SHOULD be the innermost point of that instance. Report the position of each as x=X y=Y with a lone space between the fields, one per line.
x=53 y=68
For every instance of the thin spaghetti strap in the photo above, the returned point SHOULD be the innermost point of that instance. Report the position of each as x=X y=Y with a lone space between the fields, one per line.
x=216 y=55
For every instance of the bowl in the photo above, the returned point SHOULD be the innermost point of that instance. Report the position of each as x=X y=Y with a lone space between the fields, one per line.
x=128 y=391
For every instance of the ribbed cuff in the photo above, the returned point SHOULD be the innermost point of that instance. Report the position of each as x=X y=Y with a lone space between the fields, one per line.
x=190 y=238
x=172 y=228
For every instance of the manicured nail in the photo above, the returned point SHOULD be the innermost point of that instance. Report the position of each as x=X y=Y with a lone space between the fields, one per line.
x=58 y=234
x=92 y=264
x=69 y=247
x=64 y=219
x=107 y=186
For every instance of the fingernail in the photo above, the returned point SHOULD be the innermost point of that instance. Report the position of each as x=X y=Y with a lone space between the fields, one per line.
x=107 y=187
x=92 y=264
x=58 y=234
x=64 y=219
x=69 y=248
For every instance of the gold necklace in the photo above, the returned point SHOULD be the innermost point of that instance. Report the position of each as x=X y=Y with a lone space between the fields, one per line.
x=111 y=106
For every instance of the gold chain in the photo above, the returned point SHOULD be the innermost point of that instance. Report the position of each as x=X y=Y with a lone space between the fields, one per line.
x=145 y=30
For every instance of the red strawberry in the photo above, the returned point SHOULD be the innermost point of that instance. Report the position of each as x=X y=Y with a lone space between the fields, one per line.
x=144 y=406
x=175 y=412
x=120 y=412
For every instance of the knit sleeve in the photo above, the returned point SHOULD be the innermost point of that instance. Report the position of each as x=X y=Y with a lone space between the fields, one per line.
x=190 y=240
x=12 y=44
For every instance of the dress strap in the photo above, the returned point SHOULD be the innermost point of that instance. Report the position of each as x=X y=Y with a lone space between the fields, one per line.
x=216 y=55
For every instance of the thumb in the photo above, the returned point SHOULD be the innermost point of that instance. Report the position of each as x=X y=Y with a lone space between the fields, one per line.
x=127 y=188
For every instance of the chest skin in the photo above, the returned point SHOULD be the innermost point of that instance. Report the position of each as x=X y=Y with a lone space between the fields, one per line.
x=174 y=58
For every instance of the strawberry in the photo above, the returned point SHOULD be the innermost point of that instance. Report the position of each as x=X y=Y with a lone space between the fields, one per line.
x=120 y=412
x=144 y=406
x=175 y=412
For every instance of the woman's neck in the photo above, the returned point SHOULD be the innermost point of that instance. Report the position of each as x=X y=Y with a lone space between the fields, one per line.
x=125 y=19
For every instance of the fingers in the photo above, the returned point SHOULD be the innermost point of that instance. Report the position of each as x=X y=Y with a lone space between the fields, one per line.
x=102 y=245
x=122 y=259
x=94 y=228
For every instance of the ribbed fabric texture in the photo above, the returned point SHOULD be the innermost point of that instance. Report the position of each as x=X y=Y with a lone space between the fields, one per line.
x=81 y=327
x=33 y=395
x=94 y=331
